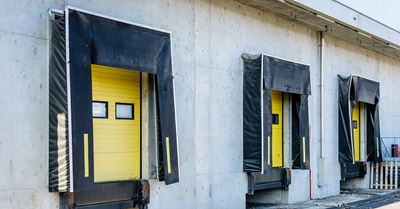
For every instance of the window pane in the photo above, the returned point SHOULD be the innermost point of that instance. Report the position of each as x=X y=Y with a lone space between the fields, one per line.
x=354 y=124
x=124 y=111
x=275 y=118
x=99 y=109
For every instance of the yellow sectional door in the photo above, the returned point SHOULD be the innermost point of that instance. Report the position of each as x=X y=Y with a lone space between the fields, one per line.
x=277 y=129
x=116 y=141
x=356 y=131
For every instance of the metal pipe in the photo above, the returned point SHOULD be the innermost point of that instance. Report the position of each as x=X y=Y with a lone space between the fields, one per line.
x=70 y=143
x=310 y=179
x=321 y=88
x=52 y=11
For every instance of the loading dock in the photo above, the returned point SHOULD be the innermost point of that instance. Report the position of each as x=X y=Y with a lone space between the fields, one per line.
x=275 y=121
x=358 y=115
x=207 y=39
x=96 y=108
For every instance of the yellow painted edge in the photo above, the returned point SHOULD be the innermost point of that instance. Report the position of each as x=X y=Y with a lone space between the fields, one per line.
x=304 y=149
x=268 y=150
x=86 y=153
x=168 y=155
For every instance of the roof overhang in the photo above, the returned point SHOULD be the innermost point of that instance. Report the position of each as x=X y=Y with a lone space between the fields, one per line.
x=337 y=20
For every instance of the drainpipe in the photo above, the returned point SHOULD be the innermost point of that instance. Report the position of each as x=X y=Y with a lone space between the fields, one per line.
x=321 y=174
x=321 y=88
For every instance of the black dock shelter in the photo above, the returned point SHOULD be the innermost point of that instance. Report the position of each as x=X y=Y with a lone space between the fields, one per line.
x=78 y=40
x=261 y=75
x=353 y=89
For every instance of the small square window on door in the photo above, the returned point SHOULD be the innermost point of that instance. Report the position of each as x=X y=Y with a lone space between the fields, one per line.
x=275 y=119
x=354 y=124
x=124 y=111
x=100 y=109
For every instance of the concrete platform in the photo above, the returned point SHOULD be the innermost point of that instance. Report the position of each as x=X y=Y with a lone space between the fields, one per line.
x=366 y=198
x=391 y=206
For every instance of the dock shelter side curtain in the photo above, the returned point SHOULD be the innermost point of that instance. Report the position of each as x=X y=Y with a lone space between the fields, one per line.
x=261 y=75
x=59 y=176
x=99 y=40
x=351 y=90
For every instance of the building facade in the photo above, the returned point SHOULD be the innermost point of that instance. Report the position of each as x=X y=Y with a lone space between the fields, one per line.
x=208 y=39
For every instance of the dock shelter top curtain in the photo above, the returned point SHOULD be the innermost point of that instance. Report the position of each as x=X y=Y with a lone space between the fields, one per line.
x=354 y=89
x=262 y=74
x=95 y=39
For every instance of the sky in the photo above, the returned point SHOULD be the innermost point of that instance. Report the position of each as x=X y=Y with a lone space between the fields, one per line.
x=385 y=11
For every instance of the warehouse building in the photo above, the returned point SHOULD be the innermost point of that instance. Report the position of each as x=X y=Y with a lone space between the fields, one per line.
x=191 y=104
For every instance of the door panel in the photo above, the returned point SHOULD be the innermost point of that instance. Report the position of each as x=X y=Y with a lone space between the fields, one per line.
x=116 y=141
x=356 y=131
x=277 y=129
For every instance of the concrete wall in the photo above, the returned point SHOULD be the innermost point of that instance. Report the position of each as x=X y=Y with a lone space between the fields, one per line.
x=24 y=109
x=208 y=38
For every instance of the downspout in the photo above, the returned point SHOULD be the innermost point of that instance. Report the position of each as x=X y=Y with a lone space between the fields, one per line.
x=321 y=88
x=321 y=163
x=321 y=160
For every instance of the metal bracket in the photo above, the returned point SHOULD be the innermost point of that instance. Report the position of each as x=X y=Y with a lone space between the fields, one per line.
x=251 y=179
x=286 y=177
x=142 y=198
x=53 y=11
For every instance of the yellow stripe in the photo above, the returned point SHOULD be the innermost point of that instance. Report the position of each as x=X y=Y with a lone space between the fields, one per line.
x=304 y=149
x=269 y=150
x=356 y=131
x=168 y=155
x=86 y=153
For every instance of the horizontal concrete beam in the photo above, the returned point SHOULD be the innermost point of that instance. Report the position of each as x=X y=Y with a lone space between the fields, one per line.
x=353 y=18
x=338 y=20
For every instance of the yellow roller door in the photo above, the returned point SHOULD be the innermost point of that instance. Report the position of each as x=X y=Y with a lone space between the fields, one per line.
x=116 y=138
x=277 y=129
x=356 y=131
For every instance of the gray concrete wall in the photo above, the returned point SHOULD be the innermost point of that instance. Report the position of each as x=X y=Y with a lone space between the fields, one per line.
x=208 y=38
x=24 y=109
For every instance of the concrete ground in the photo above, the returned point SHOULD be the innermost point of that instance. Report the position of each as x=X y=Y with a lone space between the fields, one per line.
x=367 y=198
x=391 y=206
